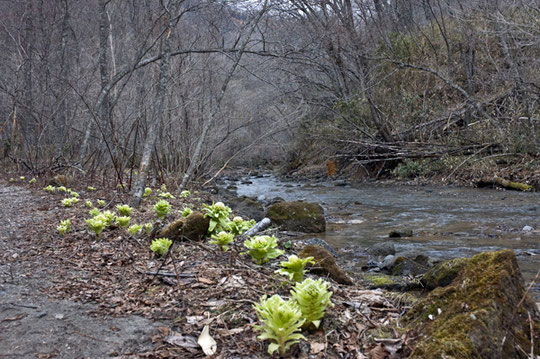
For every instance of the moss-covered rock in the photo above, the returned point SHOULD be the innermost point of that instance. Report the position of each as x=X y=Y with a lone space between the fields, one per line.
x=385 y=281
x=480 y=315
x=442 y=274
x=404 y=266
x=325 y=264
x=298 y=216
x=192 y=227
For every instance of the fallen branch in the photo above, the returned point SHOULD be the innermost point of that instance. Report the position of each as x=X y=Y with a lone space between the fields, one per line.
x=259 y=227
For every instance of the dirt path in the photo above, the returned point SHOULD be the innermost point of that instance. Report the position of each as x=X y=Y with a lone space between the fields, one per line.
x=34 y=326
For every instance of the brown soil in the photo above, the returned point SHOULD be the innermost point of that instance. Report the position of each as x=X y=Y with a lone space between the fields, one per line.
x=74 y=296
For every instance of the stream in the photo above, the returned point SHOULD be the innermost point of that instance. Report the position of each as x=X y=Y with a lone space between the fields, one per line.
x=447 y=222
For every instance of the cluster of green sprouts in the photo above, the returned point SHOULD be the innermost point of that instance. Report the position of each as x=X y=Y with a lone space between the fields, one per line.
x=294 y=267
x=282 y=320
x=263 y=248
x=160 y=246
x=64 y=227
x=162 y=208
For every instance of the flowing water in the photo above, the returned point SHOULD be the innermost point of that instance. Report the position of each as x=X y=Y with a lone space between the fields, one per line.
x=447 y=222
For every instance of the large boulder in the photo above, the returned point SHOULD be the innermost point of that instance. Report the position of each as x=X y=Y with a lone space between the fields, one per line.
x=325 y=264
x=483 y=313
x=298 y=216
x=192 y=227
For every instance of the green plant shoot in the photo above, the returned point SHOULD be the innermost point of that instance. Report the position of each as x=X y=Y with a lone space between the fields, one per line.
x=94 y=212
x=281 y=323
x=162 y=208
x=96 y=224
x=124 y=209
x=186 y=212
x=69 y=202
x=222 y=239
x=62 y=189
x=135 y=229
x=219 y=216
x=238 y=226
x=147 y=192
x=148 y=228
x=122 y=221
x=32 y=181
x=100 y=203
x=185 y=193
x=160 y=246
x=90 y=188
x=49 y=188
x=88 y=204
x=294 y=267
x=263 y=248
x=312 y=297
x=166 y=195
x=64 y=227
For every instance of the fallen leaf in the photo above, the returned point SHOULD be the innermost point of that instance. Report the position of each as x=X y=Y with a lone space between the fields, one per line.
x=379 y=352
x=205 y=280
x=316 y=348
x=207 y=343
x=182 y=341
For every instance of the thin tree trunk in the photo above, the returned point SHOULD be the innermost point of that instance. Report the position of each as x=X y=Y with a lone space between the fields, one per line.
x=209 y=121
x=138 y=188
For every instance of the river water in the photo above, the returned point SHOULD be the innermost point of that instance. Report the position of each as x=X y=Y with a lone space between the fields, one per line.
x=447 y=222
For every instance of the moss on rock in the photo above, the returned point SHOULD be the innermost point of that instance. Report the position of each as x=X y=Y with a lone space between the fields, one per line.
x=477 y=316
x=192 y=227
x=325 y=264
x=379 y=280
x=298 y=216
x=442 y=274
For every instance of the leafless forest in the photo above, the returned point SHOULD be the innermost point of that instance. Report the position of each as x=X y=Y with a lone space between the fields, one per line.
x=135 y=89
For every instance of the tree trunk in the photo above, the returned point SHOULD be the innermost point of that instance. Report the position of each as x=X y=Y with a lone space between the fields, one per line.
x=138 y=188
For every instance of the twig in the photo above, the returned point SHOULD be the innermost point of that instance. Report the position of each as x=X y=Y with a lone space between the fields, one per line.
x=531 y=327
x=94 y=338
x=24 y=306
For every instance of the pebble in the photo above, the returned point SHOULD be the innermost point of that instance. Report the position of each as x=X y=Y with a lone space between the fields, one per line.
x=41 y=314
x=59 y=316
x=527 y=229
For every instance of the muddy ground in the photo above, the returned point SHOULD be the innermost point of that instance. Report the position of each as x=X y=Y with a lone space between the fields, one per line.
x=32 y=325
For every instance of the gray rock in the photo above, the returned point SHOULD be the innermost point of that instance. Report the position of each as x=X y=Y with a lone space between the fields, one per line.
x=382 y=249
x=415 y=256
x=527 y=229
x=388 y=262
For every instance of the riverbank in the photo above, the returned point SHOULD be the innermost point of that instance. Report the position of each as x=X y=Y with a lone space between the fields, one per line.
x=114 y=279
x=462 y=171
